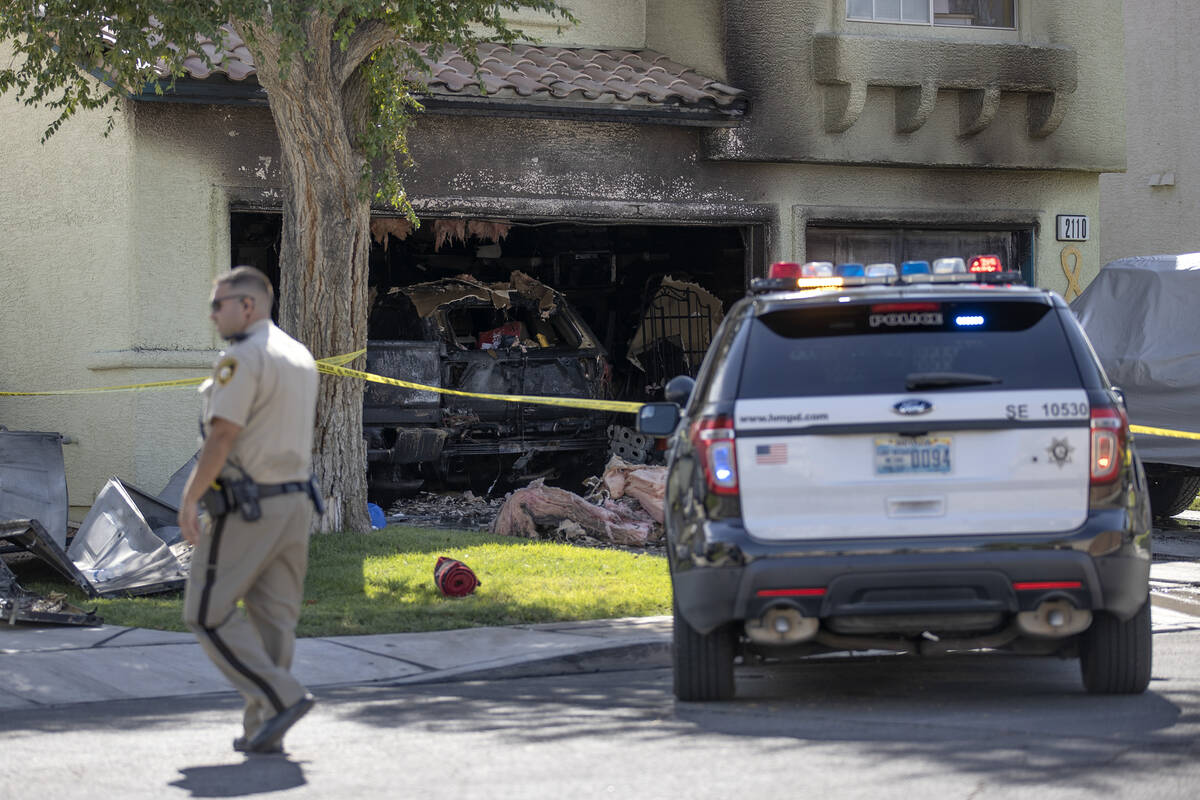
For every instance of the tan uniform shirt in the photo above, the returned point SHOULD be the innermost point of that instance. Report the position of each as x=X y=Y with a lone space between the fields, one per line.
x=266 y=383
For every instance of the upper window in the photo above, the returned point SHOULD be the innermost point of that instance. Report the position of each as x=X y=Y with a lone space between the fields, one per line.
x=979 y=13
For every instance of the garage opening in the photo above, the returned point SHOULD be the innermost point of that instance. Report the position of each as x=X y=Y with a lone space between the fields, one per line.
x=868 y=245
x=536 y=307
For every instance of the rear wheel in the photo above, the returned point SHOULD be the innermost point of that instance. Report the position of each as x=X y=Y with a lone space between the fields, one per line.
x=1171 y=492
x=1115 y=656
x=703 y=662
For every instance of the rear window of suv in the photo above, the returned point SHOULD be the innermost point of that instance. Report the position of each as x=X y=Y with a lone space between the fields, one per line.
x=878 y=347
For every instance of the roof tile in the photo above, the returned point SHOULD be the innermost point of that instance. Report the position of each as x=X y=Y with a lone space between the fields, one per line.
x=643 y=77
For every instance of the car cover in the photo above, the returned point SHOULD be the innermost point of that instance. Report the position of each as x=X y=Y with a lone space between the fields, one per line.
x=1140 y=314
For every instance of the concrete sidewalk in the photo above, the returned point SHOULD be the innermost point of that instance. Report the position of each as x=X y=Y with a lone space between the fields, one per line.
x=51 y=666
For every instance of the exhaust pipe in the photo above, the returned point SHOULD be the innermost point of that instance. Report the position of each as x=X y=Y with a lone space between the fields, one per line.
x=1054 y=619
x=781 y=625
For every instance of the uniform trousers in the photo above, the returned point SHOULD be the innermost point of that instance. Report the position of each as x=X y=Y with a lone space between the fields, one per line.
x=262 y=564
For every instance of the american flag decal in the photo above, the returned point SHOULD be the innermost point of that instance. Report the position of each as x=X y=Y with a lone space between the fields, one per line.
x=770 y=454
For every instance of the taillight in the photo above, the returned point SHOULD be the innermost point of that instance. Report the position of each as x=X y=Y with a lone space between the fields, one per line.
x=714 y=442
x=1108 y=444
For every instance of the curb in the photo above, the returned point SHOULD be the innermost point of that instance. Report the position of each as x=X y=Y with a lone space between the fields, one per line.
x=1174 y=603
x=615 y=658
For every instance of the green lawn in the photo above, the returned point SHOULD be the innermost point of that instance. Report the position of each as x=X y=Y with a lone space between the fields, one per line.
x=382 y=582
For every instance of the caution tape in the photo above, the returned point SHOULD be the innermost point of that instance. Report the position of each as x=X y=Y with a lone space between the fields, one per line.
x=334 y=365
x=345 y=358
x=128 y=387
x=563 y=402
x=1148 y=431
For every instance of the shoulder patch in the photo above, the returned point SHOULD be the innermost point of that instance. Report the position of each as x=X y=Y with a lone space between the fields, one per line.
x=225 y=369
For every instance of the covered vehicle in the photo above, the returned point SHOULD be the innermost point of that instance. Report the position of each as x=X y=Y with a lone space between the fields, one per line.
x=518 y=337
x=1140 y=315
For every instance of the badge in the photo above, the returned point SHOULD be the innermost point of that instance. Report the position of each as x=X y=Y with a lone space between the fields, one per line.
x=225 y=369
x=1060 y=452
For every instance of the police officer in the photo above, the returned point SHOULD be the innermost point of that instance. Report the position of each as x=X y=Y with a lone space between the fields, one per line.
x=254 y=477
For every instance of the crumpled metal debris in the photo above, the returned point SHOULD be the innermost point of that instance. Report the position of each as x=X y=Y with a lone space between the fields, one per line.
x=17 y=604
x=129 y=544
x=33 y=481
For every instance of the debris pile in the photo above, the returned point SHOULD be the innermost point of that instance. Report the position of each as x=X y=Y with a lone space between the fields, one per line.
x=463 y=511
x=128 y=544
x=624 y=509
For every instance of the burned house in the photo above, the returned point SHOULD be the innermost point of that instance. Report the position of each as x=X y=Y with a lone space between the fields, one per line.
x=660 y=144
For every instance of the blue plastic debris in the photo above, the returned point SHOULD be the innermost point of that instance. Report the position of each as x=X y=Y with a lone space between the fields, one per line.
x=378 y=520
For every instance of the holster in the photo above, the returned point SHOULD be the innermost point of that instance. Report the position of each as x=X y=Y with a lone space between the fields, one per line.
x=227 y=496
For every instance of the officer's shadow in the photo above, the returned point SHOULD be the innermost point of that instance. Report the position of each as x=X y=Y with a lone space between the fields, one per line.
x=255 y=775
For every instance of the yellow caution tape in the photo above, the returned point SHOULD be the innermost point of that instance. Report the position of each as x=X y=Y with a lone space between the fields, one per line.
x=334 y=366
x=99 y=389
x=1164 y=432
x=565 y=402
x=342 y=360
x=345 y=358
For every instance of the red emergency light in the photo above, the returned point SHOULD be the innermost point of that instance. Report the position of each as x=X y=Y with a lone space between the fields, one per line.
x=985 y=264
x=784 y=269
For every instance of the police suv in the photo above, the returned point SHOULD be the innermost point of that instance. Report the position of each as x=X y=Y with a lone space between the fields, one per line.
x=925 y=460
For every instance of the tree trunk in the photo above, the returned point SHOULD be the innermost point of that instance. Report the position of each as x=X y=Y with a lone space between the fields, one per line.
x=323 y=256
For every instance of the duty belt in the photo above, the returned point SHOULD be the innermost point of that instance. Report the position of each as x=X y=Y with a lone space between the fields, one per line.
x=227 y=496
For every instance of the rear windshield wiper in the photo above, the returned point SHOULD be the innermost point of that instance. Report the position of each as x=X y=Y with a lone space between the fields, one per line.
x=940 y=380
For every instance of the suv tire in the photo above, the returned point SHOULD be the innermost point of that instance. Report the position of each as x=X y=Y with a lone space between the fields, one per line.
x=703 y=662
x=1115 y=656
x=1172 y=493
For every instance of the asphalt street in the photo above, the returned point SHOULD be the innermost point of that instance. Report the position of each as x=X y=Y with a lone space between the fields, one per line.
x=969 y=727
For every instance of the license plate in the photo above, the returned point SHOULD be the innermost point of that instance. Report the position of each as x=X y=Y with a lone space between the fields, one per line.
x=904 y=455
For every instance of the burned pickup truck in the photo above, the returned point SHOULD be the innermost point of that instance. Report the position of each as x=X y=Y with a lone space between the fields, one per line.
x=519 y=337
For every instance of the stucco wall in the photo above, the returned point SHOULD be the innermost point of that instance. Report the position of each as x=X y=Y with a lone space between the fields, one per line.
x=602 y=23
x=691 y=32
x=1162 y=109
x=823 y=89
x=67 y=211
x=110 y=246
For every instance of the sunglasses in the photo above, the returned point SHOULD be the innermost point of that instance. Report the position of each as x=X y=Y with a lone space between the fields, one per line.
x=216 y=301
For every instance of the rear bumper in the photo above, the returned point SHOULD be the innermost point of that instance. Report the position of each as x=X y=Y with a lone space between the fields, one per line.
x=722 y=575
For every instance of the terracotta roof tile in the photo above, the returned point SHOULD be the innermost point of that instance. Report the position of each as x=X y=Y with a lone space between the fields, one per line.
x=530 y=72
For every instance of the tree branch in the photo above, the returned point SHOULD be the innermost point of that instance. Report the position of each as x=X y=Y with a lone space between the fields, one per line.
x=366 y=39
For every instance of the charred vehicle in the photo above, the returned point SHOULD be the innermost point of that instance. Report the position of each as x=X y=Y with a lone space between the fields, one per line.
x=518 y=337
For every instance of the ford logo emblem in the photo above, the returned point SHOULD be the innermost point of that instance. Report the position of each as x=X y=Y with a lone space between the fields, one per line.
x=910 y=408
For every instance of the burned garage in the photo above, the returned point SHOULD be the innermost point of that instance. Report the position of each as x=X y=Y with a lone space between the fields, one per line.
x=529 y=308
